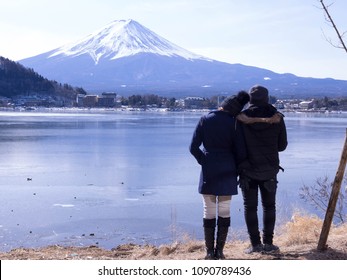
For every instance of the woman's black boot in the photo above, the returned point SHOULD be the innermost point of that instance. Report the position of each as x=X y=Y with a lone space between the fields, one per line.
x=209 y=231
x=222 y=234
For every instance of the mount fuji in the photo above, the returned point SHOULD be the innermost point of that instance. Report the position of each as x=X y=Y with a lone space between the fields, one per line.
x=128 y=58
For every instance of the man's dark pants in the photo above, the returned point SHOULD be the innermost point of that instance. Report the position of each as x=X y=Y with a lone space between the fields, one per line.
x=267 y=191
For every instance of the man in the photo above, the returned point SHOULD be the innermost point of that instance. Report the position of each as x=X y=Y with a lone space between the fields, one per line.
x=223 y=149
x=265 y=136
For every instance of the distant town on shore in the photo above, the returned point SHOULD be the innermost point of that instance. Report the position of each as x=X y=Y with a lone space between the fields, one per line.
x=112 y=100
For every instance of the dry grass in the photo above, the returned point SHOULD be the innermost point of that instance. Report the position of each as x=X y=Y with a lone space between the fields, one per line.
x=302 y=230
x=297 y=239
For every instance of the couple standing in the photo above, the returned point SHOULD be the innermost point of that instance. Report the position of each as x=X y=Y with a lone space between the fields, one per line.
x=240 y=145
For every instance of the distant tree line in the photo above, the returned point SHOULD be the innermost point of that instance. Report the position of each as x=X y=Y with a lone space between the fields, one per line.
x=139 y=101
x=15 y=79
x=331 y=103
x=152 y=100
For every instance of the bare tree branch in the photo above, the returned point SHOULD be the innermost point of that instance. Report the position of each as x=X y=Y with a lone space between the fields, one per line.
x=331 y=21
x=318 y=196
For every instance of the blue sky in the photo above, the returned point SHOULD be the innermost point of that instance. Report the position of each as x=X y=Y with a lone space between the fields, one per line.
x=285 y=36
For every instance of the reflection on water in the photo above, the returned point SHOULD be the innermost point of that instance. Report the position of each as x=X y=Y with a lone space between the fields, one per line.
x=114 y=177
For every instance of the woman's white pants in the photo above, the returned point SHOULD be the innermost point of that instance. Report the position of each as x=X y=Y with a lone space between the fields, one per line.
x=216 y=206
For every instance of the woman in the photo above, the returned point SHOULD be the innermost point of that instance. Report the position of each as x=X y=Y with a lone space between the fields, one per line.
x=223 y=149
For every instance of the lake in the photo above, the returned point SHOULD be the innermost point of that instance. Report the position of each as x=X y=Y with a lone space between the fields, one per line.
x=80 y=178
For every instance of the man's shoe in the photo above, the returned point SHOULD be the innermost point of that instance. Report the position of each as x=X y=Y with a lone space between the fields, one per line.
x=254 y=249
x=271 y=248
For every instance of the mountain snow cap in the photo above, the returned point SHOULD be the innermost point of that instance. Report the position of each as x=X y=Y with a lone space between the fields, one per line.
x=123 y=38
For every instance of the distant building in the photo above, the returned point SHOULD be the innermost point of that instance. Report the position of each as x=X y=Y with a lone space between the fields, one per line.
x=80 y=100
x=279 y=104
x=90 y=101
x=306 y=105
x=109 y=94
x=107 y=99
x=193 y=102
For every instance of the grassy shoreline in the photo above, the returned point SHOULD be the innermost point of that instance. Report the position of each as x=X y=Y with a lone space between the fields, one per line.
x=297 y=240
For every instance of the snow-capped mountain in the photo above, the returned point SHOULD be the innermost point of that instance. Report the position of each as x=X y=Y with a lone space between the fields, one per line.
x=128 y=58
x=123 y=38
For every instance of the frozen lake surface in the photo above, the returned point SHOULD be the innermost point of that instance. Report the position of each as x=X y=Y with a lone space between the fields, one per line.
x=106 y=178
